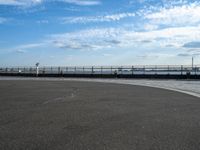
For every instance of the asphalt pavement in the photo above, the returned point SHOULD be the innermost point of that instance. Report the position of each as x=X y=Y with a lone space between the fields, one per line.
x=75 y=115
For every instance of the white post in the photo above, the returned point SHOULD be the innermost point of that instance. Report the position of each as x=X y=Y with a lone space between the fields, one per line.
x=37 y=69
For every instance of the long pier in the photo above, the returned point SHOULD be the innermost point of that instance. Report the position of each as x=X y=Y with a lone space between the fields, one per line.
x=161 y=72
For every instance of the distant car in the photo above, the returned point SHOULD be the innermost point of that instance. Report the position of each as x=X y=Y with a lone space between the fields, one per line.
x=19 y=71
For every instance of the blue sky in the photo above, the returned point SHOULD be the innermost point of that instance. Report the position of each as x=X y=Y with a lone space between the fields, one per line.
x=99 y=32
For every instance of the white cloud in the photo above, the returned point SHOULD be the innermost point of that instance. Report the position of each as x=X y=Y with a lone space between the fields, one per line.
x=119 y=16
x=73 y=9
x=155 y=55
x=42 y=21
x=10 y=2
x=29 y=46
x=20 y=2
x=25 y=47
x=102 y=38
x=187 y=14
x=150 y=27
x=91 y=39
x=20 y=51
x=83 y=2
x=106 y=18
x=33 y=2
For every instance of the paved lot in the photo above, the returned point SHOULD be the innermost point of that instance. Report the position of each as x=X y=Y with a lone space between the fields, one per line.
x=58 y=115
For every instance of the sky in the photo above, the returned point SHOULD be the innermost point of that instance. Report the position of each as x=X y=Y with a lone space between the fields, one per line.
x=99 y=32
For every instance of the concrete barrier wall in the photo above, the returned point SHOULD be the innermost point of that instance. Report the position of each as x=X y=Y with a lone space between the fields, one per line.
x=137 y=76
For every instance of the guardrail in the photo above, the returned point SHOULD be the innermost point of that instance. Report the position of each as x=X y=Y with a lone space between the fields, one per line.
x=116 y=71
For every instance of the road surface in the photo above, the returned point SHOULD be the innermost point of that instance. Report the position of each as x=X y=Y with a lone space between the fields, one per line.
x=77 y=115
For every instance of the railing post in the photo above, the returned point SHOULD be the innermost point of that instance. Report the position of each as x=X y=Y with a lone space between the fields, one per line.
x=66 y=69
x=92 y=70
x=101 y=70
x=195 y=70
x=58 y=70
x=61 y=71
x=156 y=70
x=168 y=70
x=83 y=70
x=43 y=70
x=111 y=70
x=181 y=70
x=143 y=70
x=132 y=70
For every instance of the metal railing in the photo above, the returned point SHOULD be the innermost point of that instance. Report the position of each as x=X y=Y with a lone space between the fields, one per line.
x=107 y=70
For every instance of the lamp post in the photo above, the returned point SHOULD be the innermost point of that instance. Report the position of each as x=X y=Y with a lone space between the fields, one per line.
x=37 y=68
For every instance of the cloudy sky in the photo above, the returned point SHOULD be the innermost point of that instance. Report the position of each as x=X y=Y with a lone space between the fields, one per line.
x=99 y=32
